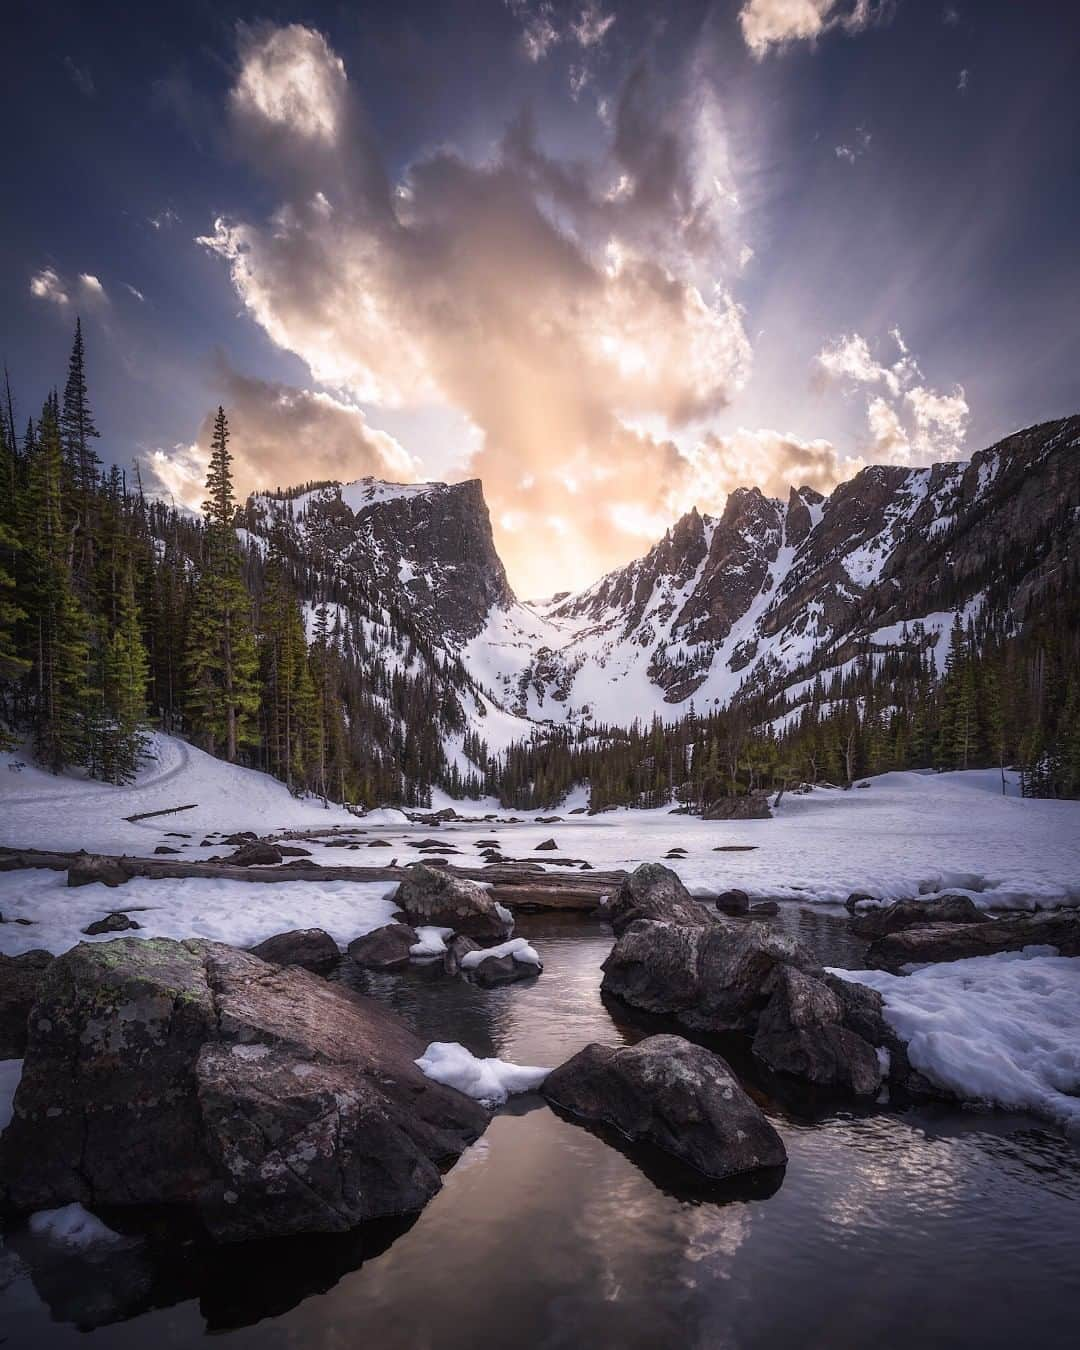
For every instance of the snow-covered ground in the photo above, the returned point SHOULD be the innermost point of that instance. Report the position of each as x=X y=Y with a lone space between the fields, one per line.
x=40 y=810
x=999 y=1029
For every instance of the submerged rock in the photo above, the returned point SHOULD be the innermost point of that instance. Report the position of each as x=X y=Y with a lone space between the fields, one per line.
x=311 y=948
x=875 y=923
x=653 y=891
x=958 y=941
x=20 y=977
x=385 y=948
x=674 y=1095
x=263 y=1098
x=431 y=898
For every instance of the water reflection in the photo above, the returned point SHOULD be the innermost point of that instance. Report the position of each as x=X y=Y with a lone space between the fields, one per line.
x=930 y=1226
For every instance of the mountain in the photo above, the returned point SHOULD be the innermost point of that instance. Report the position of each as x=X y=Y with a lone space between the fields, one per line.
x=766 y=601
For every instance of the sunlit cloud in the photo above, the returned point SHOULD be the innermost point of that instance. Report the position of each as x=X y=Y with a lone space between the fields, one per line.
x=775 y=23
x=46 y=285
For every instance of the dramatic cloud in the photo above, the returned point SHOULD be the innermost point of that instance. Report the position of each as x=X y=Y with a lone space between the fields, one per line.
x=46 y=285
x=91 y=286
x=561 y=306
x=279 y=436
x=543 y=28
x=771 y=460
x=772 y=23
x=908 y=421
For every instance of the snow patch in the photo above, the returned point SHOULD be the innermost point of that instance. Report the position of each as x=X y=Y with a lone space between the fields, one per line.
x=73 y=1226
x=518 y=948
x=488 y=1081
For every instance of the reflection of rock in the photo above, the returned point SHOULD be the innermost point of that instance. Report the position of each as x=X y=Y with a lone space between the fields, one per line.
x=193 y=1074
x=654 y=891
x=311 y=948
x=674 y=1095
x=430 y=898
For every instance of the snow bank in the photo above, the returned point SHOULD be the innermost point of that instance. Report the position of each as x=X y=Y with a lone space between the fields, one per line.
x=41 y=810
x=385 y=815
x=488 y=1081
x=10 y=1073
x=1001 y=1029
x=518 y=948
x=432 y=942
x=73 y=1226
x=240 y=913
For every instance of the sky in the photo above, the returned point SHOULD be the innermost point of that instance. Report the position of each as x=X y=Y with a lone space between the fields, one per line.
x=613 y=258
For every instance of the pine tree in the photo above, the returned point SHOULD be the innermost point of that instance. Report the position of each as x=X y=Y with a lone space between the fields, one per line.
x=222 y=661
x=77 y=431
x=125 y=676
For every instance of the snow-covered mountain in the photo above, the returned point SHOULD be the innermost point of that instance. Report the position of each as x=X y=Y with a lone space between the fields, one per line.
x=761 y=600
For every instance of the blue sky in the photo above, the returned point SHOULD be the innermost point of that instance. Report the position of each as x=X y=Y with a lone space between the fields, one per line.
x=614 y=258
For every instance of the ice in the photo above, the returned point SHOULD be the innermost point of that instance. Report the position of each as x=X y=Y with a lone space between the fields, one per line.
x=73 y=1226
x=518 y=948
x=432 y=942
x=10 y=1073
x=1003 y=1029
x=488 y=1081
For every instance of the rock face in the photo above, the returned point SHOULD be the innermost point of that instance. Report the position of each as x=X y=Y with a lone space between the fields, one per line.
x=709 y=977
x=20 y=977
x=311 y=948
x=956 y=942
x=875 y=923
x=91 y=868
x=655 y=892
x=385 y=948
x=801 y=1032
x=430 y=897
x=263 y=1098
x=674 y=1095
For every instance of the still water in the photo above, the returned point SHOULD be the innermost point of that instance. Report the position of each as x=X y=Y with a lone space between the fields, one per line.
x=890 y=1227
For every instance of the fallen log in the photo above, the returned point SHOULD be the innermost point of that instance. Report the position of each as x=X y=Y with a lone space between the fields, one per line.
x=511 y=885
x=165 y=811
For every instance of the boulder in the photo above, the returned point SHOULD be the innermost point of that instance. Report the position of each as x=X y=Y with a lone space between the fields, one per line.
x=429 y=897
x=91 y=868
x=752 y=806
x=711 y=978
x=295 y=851
x=653 y=891
x=117 y=922
x=257 y=853
x=240 y=837
x=457 y=947
x=548 y=844
x=385 y=948
x=957 y=941
x=20 y=977
x=502 y=966
x=674 y=1095
x=875 y=923
x=801 y=1032
x=166 y=848
x=311 y=948
x=733 y=902
x=262 y=1098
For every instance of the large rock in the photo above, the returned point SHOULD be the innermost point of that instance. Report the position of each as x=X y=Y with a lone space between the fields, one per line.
x=433 y=898
x=263 y=1098
x=674 y=1095
x=956 y=942
x=655 y=892
x=116 y=922
x=712 y=977
x=877 y=922
x=20 y=977
x=256 y=854
x=753 y=806
x=312 y=948
x=90 y=868
x=385 y=948
x=801 y=1032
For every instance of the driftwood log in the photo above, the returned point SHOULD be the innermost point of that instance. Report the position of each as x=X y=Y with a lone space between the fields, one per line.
x=519 y=886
